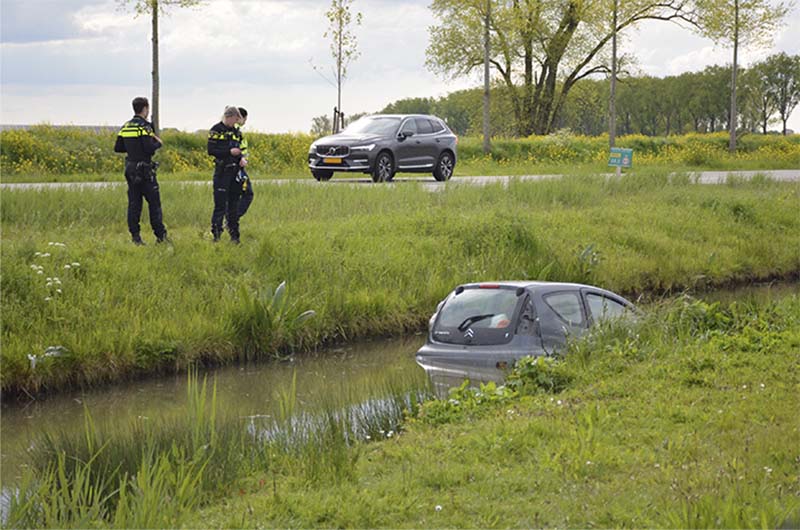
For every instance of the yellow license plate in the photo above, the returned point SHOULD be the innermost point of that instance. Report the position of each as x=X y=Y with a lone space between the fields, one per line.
x=332 y=160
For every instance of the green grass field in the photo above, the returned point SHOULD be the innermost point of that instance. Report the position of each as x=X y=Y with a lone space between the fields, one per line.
x=370 y=262
x=684 y=419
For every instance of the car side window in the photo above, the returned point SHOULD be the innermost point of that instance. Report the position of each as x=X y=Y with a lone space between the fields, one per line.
x=409 y=126
x=423 y=126
x=603 y=308
x=436 y=126
x=567 y=306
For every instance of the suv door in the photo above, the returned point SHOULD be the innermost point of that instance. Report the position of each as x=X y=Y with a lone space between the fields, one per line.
x=405 y=152
x=426 y=142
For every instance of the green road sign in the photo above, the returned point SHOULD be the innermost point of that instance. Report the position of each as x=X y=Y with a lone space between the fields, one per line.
x=621 y=157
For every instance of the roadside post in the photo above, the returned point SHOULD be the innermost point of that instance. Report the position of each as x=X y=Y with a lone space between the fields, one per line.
x=620 y=158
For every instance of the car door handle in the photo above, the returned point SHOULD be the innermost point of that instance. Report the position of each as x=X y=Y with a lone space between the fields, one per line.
x=418 y=142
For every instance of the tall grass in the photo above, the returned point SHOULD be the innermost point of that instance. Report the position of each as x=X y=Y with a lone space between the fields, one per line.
x=686 y=418
x=73 y=154
x=155 y=472
x=369 y=262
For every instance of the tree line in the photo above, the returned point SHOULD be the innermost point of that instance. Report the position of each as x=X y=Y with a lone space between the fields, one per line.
x=769 y=92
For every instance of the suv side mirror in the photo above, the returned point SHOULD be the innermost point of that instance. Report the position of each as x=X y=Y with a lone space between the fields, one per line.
x=405 y=134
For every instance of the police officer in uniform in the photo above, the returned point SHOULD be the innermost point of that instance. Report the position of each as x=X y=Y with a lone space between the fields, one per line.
x=139 y=141
x=225 y=145
x=247 y=185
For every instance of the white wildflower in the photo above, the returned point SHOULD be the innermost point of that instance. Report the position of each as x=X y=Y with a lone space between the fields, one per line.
x=35 y=267
x=40 y=271
x=763 y=385
x=67 y=266
x=438 y=508
x=49 y=284
x=45 y=255
x=47 y=298
x=48 y=279
x=58 y=291
x=76 y=264
x=558 y=402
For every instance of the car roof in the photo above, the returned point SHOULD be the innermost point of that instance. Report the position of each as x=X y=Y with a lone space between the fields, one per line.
x=403 y=116
x=542 y=286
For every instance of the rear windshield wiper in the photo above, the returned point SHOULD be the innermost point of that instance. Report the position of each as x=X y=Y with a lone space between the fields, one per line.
x=471 y=320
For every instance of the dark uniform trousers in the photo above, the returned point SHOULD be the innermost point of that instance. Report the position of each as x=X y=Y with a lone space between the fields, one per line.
x=143 y=188
x=226 y=198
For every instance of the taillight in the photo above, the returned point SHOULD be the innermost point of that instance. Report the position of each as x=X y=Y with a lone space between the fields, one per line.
x=488 y=286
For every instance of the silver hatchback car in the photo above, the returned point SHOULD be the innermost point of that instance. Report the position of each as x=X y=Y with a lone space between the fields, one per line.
x=481 y=329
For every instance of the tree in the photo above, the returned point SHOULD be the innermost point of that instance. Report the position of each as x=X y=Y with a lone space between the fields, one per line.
x=758 y=105
x=540 y=48
x=154 y=8
x=344 y=45
x=739 y=23
x=783 y=84
x=321 y=126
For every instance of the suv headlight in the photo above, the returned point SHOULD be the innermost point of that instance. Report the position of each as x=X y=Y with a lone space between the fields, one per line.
x=312 y=148
x=369 y=147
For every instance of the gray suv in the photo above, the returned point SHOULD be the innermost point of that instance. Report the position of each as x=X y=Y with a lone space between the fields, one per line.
x=384 y=144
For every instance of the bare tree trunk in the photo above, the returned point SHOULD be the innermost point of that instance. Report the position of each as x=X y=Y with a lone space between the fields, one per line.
x=487 y=147
x=733 y=118
x=154 y=103
x=784 y=124
x=337 y=124
x=612 y=102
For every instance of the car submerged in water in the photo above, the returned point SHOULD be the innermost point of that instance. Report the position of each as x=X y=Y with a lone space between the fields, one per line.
x=481 y=329
x=384 y=144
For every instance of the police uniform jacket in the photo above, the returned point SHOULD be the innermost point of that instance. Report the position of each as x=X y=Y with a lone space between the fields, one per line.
x=221 y=139
x=137 y=139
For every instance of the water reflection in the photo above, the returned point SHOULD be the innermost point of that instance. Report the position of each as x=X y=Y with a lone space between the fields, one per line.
x=329 y=379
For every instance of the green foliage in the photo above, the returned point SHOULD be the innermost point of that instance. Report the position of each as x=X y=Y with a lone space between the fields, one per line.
x=44 y=150
x=265 y=321
x=532 y=375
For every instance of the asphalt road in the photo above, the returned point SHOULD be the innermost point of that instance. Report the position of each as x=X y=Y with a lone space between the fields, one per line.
x=702 y=177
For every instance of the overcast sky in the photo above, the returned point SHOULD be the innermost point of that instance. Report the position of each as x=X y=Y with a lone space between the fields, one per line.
x=82 y=61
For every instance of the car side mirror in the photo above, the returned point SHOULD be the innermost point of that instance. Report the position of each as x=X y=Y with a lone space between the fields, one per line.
x=405 y=134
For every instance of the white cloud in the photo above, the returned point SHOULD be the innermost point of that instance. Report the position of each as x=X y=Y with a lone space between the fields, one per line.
x=84 y=61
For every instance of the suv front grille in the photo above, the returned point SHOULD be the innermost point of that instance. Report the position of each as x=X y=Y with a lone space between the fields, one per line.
x=333 y=150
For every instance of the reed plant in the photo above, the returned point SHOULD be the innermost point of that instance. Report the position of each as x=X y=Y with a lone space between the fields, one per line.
x=157 y=471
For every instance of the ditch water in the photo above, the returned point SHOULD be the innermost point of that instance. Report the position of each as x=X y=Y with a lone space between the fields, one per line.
x=351 y=374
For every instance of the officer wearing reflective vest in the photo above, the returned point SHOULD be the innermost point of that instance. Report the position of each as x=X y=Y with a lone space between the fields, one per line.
x=139 y=141
x=224 y=144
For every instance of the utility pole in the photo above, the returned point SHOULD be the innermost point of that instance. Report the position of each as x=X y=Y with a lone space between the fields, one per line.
x=487 y=147
x=612 y=103
x=155 y=96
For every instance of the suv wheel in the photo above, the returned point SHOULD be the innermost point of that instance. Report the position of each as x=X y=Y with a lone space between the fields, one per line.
x=444 y=167
x=322 y=175
x=384 y=168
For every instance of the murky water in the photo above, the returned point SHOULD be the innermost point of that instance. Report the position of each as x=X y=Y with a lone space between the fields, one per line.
x=353 y=372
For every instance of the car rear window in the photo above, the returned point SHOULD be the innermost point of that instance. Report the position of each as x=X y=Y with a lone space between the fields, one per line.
x=477 y=316
x=436 y=126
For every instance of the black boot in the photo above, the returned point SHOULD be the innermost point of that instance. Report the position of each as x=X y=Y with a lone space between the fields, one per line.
x=137 y=239
x=163 y=239
x=216 y=234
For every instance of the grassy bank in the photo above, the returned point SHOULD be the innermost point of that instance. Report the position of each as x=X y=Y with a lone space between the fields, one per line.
x=370 y=262
x=684 y=419
x=72 y=155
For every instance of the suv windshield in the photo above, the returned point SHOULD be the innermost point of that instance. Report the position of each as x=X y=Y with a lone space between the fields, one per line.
x=477 y=316
x=373 y=125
